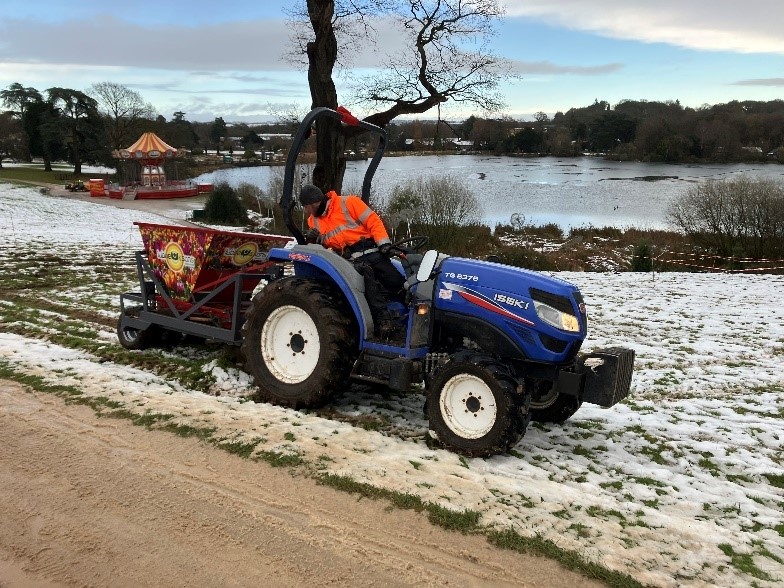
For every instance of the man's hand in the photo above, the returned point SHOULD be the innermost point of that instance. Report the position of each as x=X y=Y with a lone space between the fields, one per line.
x=385 y=249
x=312 y=235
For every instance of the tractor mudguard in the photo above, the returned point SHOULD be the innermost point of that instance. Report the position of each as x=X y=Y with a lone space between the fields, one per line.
x=320 y=263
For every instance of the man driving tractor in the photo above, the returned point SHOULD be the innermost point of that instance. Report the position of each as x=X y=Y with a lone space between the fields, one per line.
x=352 y=229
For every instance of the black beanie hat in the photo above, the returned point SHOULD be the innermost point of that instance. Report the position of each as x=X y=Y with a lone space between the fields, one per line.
x=310 y=194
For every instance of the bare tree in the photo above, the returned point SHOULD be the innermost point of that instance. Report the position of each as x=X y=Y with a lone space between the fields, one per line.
x=742 y=215
x=124 y=109
x=437 y=66
x=436 y=206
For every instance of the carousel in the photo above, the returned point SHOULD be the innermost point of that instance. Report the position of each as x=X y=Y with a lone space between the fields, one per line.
x=144 y=165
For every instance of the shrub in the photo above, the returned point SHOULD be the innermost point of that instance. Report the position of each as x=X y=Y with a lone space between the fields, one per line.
x=439 y=207
x=741 y=214
x=520 y=228
x=525 y=257
x=641 y=259
x=254 y=198
x=224 y=207
x=591 y=231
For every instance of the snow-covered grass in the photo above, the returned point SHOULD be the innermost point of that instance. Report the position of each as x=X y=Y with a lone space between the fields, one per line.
x=681 y=484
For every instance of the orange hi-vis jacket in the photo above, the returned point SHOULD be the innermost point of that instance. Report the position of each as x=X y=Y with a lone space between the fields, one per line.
x=346 y=220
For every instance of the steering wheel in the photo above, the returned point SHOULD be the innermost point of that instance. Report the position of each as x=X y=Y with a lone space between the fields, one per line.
x=410 y=244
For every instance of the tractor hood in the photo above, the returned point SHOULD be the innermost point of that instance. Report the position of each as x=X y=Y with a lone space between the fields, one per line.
x=543 y=316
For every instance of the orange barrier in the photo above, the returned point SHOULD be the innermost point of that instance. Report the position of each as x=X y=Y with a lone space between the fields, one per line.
x=97 y=187
x=699 y=263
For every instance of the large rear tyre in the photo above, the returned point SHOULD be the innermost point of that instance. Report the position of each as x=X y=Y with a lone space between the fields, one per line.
x=299 y=343
x=551 y=407
x=475 y=406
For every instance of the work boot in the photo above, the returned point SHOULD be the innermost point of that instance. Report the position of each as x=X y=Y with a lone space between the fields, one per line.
x=389 y=329
x=386 y=328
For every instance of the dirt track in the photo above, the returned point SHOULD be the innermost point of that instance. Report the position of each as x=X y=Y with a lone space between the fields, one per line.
x=87 y=501
x=171 y=208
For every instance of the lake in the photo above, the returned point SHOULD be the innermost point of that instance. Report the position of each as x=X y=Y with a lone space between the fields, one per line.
x=570 y=192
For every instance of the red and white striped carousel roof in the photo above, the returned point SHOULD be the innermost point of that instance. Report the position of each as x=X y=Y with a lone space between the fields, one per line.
x=149 y=146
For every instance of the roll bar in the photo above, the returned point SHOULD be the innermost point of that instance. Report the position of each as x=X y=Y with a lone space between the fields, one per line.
x=303 y=132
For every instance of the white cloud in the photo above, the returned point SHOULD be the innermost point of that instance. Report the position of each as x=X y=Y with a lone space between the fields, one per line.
x=105 y=41
x=547 y=67
x=250 y=45
x=775 y=82
x=716 y=25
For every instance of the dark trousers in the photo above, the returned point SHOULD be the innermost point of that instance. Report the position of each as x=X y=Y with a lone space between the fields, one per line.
x=382 y=283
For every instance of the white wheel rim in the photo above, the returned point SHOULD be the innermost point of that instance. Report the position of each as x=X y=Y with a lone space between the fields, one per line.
x=545 y=402
x=131 y=334
x=468 y=406
x=290 y=344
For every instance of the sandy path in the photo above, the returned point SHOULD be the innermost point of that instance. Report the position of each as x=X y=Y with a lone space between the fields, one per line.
x=172 y=208
x=89 y=501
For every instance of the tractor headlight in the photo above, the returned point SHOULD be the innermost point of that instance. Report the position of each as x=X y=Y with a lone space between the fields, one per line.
x=556 y=318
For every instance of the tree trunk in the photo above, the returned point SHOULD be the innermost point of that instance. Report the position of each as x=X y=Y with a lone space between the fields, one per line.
x=322 y=55
x=76 y=152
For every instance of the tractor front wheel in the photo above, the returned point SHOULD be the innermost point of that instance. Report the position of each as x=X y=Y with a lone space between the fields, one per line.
x=474 y=406
x=299 y=343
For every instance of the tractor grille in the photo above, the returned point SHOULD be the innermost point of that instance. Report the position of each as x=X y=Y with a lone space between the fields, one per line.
x=523 y=332
x=553 y=344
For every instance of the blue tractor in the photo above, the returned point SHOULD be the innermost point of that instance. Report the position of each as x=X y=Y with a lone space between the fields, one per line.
x=494 y=346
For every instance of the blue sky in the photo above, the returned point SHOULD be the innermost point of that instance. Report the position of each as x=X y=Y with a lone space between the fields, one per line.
x=211 y=59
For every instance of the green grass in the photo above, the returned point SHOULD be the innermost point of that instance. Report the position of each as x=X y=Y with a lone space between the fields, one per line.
x=464 y=521
x=617 y=485
x=510 y=539
x=185 y=371
x=35 y=173
x=240 y=448
x=776 y=480
x=281 y=460
x=711 y=467
x=203 y=433
x=580 y=529
x=743 y=562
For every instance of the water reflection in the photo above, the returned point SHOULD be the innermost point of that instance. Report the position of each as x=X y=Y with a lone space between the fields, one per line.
x=568 y=192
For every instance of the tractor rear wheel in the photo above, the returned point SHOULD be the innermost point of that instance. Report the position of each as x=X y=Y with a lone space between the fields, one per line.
x=474 y=405
x=299 y=343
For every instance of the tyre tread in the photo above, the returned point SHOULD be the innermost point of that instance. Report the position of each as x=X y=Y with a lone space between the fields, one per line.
x=517 y=418
x=333 y=319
